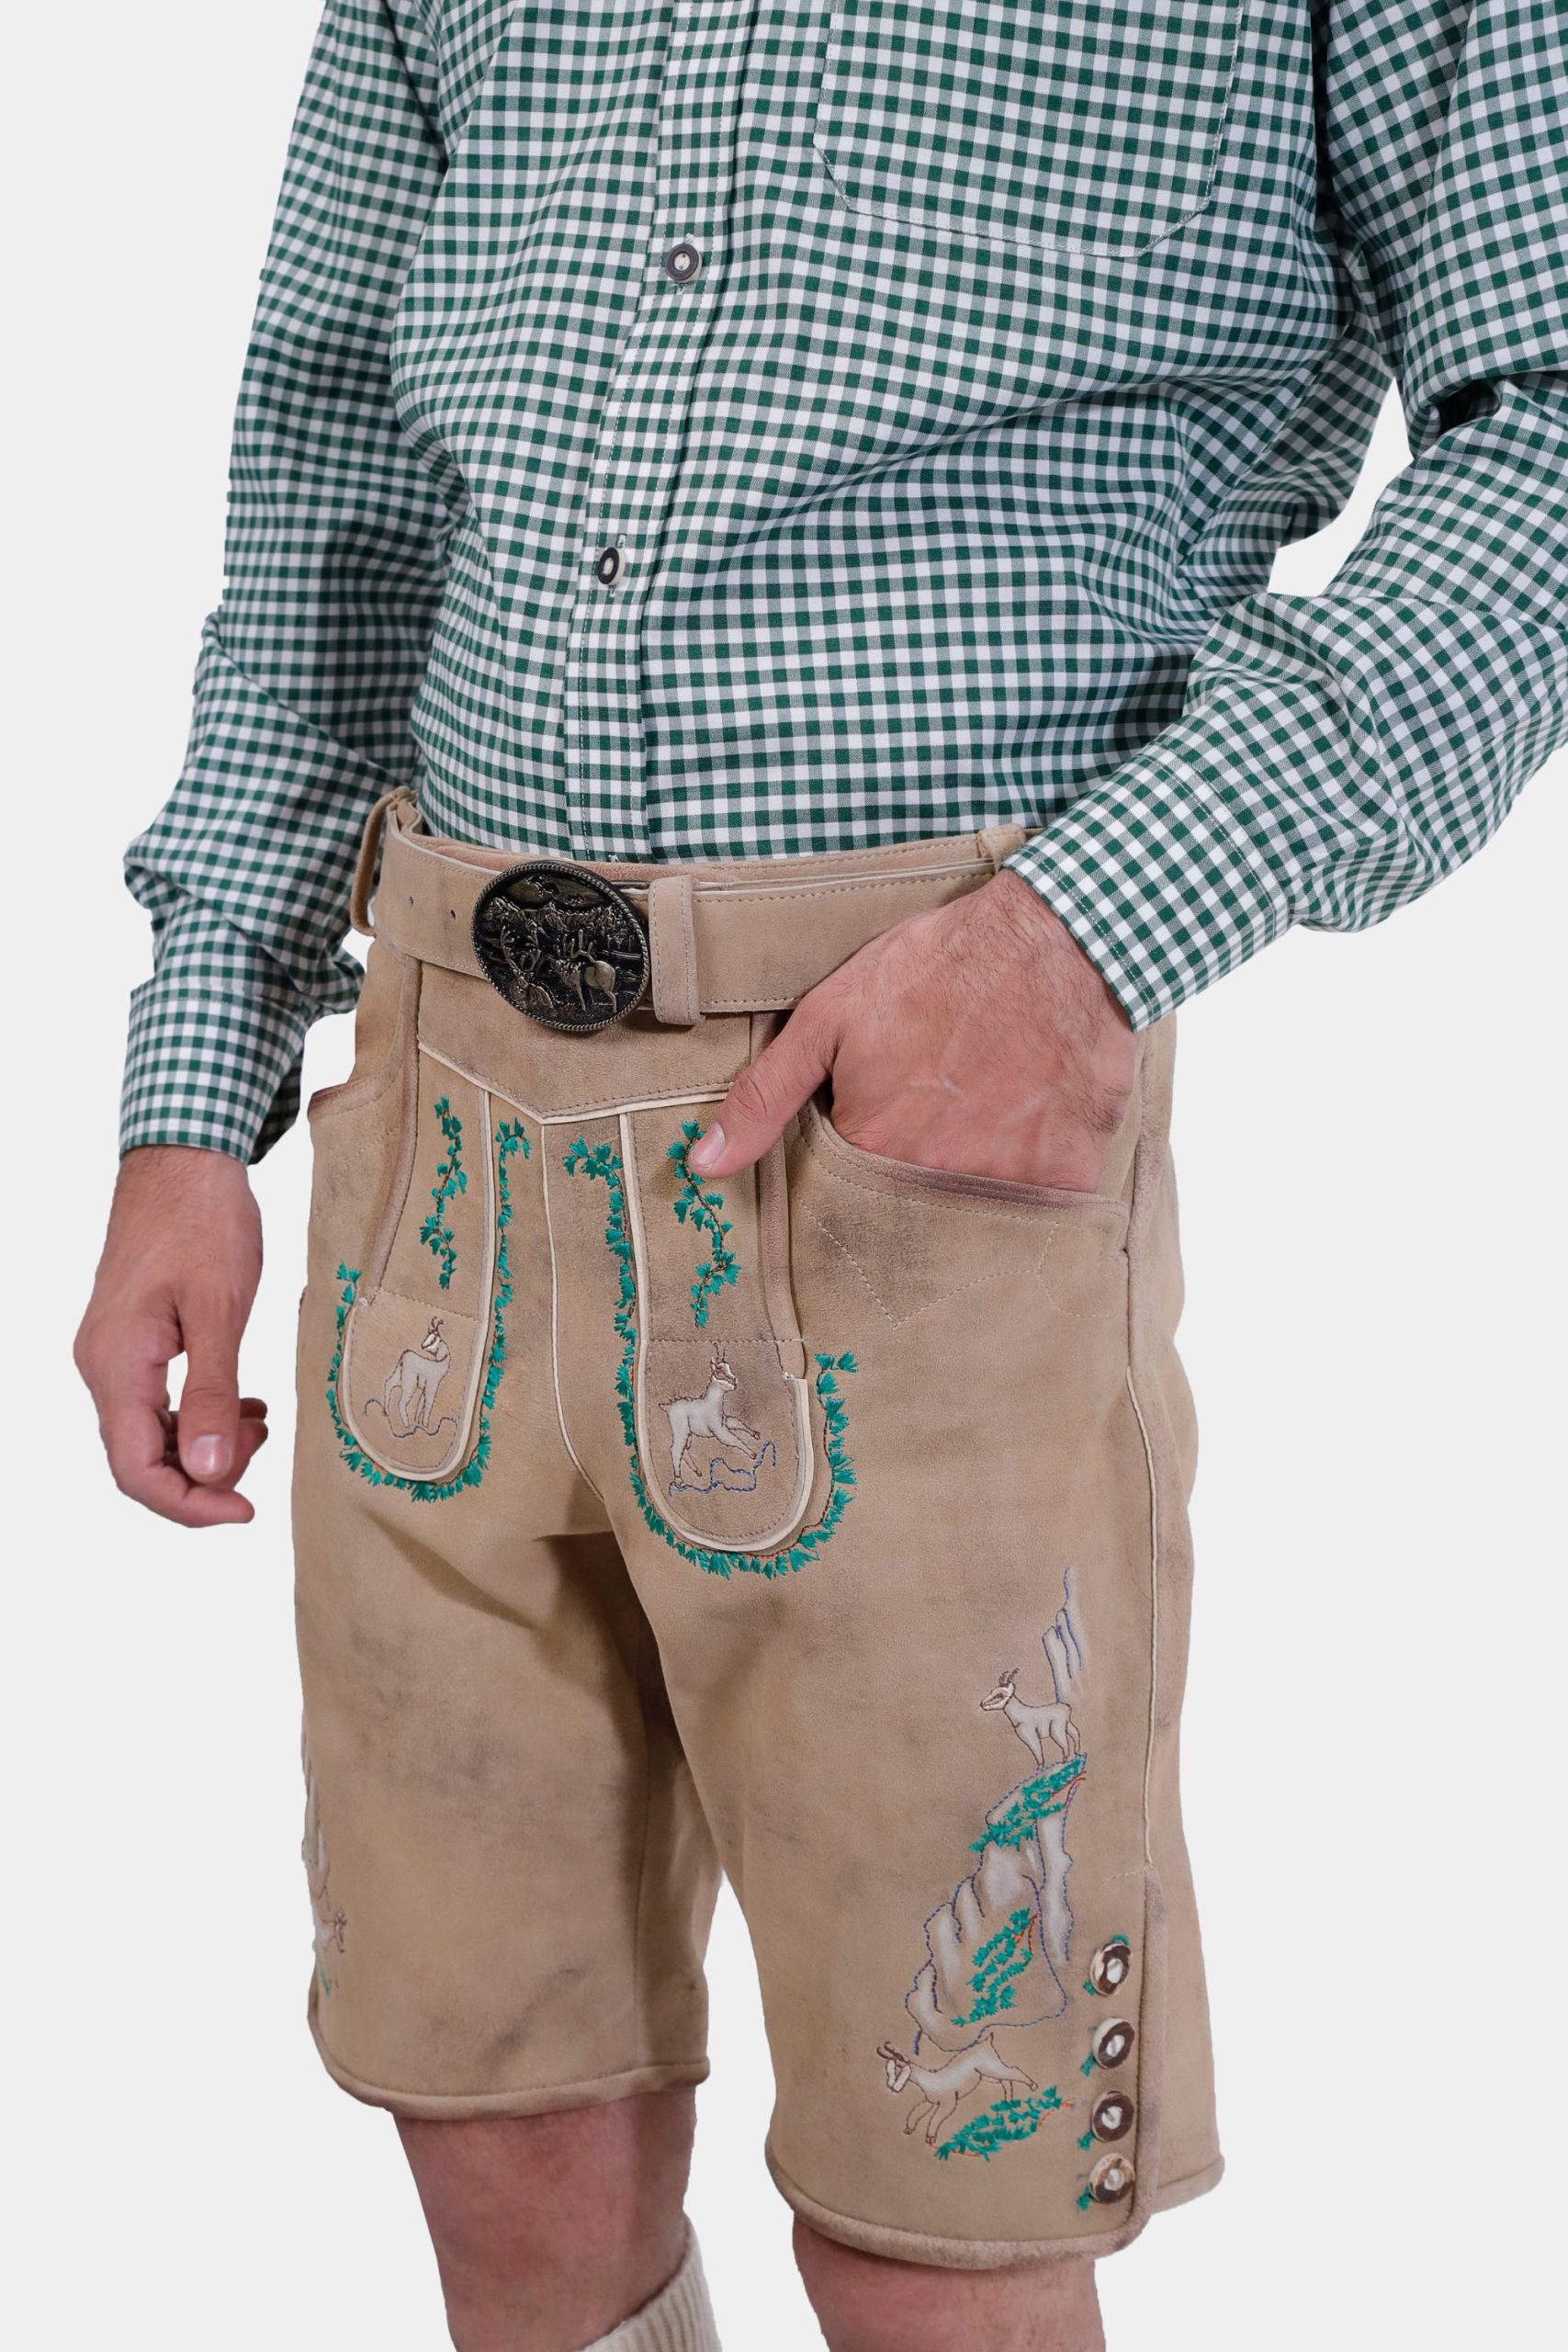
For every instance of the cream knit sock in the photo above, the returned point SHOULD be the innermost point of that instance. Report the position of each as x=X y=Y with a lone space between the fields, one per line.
x=679 y=2319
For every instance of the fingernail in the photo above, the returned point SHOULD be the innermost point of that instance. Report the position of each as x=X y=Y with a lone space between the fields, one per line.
x=208 y=1457
x=707 y=1149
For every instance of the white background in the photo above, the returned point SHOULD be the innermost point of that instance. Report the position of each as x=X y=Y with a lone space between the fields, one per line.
x=1370 y=1138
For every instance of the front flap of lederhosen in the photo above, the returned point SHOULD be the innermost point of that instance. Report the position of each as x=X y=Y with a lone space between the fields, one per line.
x=723 y=1406
x=419 y=1328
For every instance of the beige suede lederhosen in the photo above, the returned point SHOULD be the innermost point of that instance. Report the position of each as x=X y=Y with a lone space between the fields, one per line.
x=824 y=1525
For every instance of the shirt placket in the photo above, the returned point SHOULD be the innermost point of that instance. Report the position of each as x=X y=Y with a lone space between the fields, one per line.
x=637 y=455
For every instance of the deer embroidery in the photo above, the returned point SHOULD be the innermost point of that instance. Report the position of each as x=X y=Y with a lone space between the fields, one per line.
x=941 y=2088
x=410 y=1395
x=709 y=1415
x=1034 y=1725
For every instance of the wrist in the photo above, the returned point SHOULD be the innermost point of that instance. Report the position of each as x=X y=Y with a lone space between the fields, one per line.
x=1040 y=935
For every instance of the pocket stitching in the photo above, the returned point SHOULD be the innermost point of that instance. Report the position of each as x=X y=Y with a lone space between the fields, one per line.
x=963 y=225
x=1058 y=1204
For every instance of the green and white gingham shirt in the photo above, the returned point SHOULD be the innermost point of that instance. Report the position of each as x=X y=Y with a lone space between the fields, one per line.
x=946 y=483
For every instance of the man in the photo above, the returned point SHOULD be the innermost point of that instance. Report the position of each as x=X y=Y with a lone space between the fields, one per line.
x=753 y=523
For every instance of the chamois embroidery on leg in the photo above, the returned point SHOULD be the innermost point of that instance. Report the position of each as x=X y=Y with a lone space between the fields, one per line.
x=602 y=1164
x=996 y=1950
x=451 y=1178
x=415 y=1378
x=331 y=1924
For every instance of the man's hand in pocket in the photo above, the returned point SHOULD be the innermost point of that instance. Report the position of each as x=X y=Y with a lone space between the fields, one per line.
x=977 y=1038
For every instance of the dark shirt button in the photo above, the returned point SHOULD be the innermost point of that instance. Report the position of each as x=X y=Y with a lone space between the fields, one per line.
x=682 y=263
x=608 y=567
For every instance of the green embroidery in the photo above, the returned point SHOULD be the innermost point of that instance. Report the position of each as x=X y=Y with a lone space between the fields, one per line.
x=998 y=1960
x=695 y=1207
x=451 y=1178
x=602 y=1164
x=1034 y=1802
x=1009 y=2120
x=509 y=1138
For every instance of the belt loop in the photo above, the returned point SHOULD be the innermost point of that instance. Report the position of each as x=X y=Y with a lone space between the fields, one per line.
x=365 y=871
x=673 y=950
x=998 y=842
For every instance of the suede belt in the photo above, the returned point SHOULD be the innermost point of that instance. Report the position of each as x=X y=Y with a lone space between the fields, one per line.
x=744 y=937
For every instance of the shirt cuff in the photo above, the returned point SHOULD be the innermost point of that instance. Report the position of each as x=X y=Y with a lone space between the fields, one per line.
x=219 y=1071
x=1178 y=868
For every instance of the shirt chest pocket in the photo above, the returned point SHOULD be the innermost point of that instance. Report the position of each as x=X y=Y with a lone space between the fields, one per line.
x=1090 y=126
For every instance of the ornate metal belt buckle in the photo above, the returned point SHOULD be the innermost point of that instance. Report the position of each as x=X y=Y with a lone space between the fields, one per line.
x=563 y=946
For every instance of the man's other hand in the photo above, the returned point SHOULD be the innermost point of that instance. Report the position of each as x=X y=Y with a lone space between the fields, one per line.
x=978 y=1037
x=177 y=1277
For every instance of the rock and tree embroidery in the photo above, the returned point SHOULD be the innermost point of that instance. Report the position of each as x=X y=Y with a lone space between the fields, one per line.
x=997 y=1950
x=331 y=1924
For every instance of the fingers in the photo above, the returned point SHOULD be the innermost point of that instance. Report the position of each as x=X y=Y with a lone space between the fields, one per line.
x=210 y=1402
x=126 y=1375
x=143 y=1460
x=767 y=1095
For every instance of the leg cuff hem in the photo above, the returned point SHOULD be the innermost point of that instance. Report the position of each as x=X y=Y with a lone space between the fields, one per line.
x=984 y=2254
x=541 y=2100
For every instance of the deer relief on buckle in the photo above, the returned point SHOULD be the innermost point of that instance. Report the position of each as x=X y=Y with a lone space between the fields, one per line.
x=562 y=944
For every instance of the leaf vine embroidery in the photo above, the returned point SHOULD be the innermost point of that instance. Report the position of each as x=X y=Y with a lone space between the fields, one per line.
x=451 y=1178
x=699 y=1209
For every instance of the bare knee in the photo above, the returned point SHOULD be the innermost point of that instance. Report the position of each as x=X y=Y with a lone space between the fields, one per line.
x=866 y=2304
x=549 y=2230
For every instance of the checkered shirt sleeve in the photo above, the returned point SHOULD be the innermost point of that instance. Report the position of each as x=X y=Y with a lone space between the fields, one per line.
x=1336 y=754
x=334 y=560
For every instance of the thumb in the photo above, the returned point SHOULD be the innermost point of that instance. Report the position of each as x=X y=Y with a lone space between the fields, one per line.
x=767 y=1095
x=210 y=1401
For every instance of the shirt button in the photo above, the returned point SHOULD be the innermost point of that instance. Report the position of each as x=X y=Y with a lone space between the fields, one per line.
x=681 y=263
x=608 y=567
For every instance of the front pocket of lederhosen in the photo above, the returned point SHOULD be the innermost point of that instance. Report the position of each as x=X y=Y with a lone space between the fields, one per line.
x=418 y=1327
x=1090 y=125
x=729 y=1425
